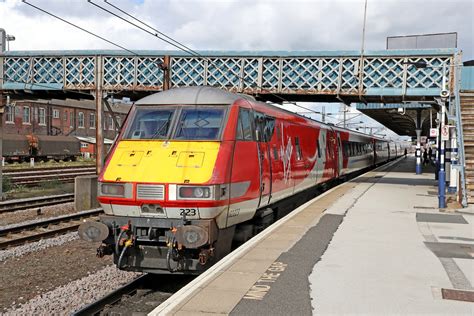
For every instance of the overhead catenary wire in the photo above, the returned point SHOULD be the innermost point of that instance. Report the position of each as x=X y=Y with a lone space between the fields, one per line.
x=137 y=54
x=152 y=28
x=177 y=44
x=137 y=26
x=81 y=28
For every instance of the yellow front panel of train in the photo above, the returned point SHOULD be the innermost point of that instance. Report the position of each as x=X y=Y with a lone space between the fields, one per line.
x=162 y=162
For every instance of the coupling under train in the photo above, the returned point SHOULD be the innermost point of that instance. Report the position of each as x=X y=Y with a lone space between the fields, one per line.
x=196 y=169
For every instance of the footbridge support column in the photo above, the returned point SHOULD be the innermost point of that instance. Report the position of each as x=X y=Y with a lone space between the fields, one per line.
x=442 y=172
x=444 y=136
x=99 y=132
x=418 y=141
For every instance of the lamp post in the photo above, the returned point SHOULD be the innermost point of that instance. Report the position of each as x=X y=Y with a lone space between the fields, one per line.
x=444 y=94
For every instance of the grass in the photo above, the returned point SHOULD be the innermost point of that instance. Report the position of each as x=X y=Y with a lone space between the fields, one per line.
x=50 y=164
x=54 y=188
x=12 y=191
x=49 y=184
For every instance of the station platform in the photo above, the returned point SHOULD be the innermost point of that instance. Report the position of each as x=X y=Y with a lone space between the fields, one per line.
x=374 y=245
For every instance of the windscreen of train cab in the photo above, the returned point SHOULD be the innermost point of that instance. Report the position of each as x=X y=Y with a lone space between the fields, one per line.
x=150 y=123
x=203 y=123
x=181 y=123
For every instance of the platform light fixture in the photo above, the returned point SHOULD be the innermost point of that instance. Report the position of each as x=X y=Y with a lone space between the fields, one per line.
x=9 y=38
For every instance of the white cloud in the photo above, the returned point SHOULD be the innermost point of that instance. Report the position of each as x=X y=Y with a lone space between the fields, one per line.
x=238 y=25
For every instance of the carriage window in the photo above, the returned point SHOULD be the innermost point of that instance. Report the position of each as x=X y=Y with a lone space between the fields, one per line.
x=275 y=153
x=244 y=125
x=278 y=131
x=319 y=149
x=259 y=119
x=202 y=123
x=150 y=123
x=299 y=154
x=269 y=128
x=240 y=131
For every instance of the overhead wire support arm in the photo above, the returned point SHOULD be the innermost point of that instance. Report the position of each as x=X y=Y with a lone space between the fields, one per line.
x=112 y=114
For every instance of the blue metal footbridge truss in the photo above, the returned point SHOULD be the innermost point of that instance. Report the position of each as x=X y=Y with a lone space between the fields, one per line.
x=376 y=76
x=377 y=81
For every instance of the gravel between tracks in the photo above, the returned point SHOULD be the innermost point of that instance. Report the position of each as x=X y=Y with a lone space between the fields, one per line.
x=31 y=215
x=39 y=272
x=72 y=296
x=37 y=246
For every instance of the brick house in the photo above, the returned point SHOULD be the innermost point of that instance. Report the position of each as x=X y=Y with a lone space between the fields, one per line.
x=61 y=117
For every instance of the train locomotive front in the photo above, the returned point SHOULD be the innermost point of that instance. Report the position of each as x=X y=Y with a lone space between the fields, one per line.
x=198 y=168
x=164 y=186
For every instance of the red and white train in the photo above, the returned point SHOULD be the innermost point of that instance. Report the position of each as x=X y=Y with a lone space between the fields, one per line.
x=198 y=168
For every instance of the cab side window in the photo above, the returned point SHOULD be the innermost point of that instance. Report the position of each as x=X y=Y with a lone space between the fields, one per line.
x=299 y=153
x=244 y=126
x=259 y=119
x=269 y=128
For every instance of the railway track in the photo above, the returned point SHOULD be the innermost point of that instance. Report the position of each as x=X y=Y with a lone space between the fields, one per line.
x=34 y=176
x=23 y=204
x=12 y=170
x=140 y=296
x=21 y=234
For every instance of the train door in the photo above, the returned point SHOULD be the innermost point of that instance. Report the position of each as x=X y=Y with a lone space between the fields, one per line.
x=264 y=158
x=339 y=155
x=245 y=181
x=332 y=157
x=374 y=150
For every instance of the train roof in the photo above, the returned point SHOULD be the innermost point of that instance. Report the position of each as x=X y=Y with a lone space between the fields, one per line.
x=202 y=95
x=193 y=95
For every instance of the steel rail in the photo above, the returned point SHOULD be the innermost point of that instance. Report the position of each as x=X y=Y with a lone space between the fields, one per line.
x=20 y=234
x=32 y=180
x=143 y=286
x=22 y=204
x=112 y=298
x=7 y=170
x=48 y=172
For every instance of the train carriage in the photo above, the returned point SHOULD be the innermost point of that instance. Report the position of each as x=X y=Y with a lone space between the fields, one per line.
x=197 y=168
x=21 y=148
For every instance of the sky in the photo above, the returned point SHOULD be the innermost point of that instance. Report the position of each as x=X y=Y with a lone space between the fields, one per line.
x=238 y=24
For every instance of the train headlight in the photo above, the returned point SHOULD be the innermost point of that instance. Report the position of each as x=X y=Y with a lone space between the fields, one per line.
x=112 y=189
x=123 y=190
x=195 y=192
x=192 y=236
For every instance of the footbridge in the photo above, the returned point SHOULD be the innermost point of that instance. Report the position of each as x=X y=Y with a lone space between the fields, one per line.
x=376 y=76
x=380 y=83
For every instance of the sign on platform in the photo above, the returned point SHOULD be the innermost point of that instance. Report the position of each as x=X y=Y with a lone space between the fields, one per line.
x=445 y=132
x=423 y=139
x=433 y=132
